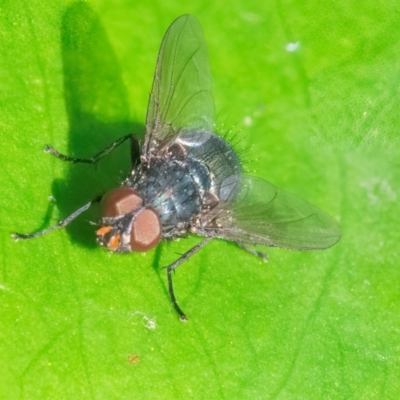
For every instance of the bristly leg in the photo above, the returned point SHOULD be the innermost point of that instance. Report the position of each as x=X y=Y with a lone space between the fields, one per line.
x=60 y=225
x=256 y=253
x=175 y=265
x=135 y=158
x=135 y=152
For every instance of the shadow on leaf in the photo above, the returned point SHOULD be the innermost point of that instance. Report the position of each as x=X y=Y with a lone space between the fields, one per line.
x=98 y=112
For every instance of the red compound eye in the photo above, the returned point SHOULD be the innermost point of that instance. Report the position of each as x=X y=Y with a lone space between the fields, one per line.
x=146 y=226
x=146 y=230
x=120 y=201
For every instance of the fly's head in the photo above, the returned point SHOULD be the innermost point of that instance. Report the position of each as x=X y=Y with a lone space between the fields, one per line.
x=126 y=224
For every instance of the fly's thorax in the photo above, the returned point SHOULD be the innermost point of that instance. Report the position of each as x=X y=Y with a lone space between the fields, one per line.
x=188 y=177
x=127 y=224
x=166 y=184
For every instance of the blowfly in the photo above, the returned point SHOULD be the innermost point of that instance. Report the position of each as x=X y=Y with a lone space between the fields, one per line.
x=187 y=179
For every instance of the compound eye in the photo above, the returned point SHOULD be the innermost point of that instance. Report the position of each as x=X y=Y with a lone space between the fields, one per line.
x=120 y=201
x=146 y=230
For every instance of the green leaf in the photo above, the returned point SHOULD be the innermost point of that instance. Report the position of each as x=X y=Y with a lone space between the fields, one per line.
x=311 y=91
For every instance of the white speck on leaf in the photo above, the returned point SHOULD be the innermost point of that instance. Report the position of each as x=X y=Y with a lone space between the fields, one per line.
x=248 y=121
x=378 y=189
x=147 y=322
x=293 y=46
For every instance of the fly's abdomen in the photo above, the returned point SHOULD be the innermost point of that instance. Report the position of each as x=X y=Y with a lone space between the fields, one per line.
x=220 y=158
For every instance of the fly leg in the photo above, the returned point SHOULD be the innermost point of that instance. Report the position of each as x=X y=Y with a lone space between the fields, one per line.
x=256 y=253
x=60 y=225
x=135 y=152
x=175 y=265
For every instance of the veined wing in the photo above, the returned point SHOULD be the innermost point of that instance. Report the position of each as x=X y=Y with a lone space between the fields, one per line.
x=181 y=97
x=261 y=214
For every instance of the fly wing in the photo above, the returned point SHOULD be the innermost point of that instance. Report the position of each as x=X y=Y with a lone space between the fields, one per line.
x=261 y=214
x=181 y=97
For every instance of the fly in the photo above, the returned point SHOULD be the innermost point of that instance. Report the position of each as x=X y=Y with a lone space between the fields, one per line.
x=186 y=179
